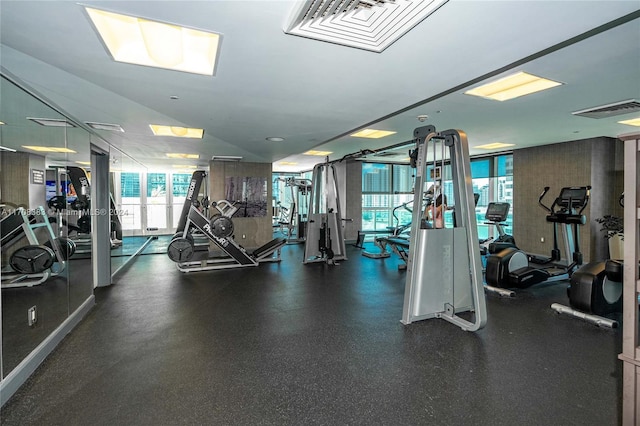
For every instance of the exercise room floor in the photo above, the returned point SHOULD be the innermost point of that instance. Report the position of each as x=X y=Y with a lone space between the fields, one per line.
x=293 y=344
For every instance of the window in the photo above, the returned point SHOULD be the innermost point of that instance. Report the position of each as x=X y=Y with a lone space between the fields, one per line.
x=376 y=178
x=387 y=192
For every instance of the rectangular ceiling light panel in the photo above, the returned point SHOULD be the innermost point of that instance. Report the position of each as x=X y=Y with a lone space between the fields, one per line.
x=631 y=122
x=372 y=134
x=318 y=153
x=495 y=145
x=176 y=131
x=365 y=24
x=512 y=86
x=49 y=149
x=181 y=155
x=156 y=44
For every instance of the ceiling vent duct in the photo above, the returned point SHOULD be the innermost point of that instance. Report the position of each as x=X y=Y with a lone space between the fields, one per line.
x=365 y=24
x=611 y=110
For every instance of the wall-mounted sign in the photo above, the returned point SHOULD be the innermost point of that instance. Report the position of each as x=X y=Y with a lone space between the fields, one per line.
x=37 y=176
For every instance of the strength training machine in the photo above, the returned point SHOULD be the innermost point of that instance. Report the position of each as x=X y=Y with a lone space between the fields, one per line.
x=219 y=230
x=44 y=256
x=444 y=270
x=325 y=241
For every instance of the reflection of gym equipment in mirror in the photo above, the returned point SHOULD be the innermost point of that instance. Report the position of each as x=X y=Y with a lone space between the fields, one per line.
x=191 y=255
x=513 y=268
x=44 y=256
x=444 y=271
x=293 y=216
x=77 y=220
x=325 y=241
x=595 y=290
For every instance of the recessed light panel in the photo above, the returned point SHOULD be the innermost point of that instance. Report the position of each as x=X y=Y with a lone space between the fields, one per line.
x=495 y=145
x=176 y=131
x=48 y=149
x=318 y=153
x=372 y=134
x=632 y=122
x=156 y=44
x=513 y=86
x=180 y=155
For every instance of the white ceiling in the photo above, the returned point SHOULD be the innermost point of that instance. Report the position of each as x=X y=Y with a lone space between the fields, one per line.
x=314 y=93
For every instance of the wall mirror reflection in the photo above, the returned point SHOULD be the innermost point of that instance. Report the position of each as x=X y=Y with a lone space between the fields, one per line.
x=46 y=261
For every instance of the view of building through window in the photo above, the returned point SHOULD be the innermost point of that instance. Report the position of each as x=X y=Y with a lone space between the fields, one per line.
x=387 y=192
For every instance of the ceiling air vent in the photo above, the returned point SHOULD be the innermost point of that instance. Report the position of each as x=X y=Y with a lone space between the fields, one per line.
x=611 y=110
x=365 y=24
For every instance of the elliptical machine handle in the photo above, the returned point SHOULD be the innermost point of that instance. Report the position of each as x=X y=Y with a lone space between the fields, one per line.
x=544 y=192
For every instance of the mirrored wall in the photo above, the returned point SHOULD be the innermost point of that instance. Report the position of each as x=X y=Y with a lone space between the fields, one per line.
x=46 y=229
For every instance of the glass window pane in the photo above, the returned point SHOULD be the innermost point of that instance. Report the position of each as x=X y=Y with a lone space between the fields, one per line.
x=481 y=168
x=376 y=177
x=130 y=184
x=505 y=165
x=403 y=178
x=156 y=185
x=180 y=183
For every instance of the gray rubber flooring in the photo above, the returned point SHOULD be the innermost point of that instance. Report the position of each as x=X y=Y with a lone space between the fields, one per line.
x=294 y=344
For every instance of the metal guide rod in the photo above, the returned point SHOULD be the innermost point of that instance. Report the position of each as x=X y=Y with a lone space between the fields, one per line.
x=444 y=272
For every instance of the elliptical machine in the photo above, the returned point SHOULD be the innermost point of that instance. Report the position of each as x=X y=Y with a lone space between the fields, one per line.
x=513 y=268
x=595 y=290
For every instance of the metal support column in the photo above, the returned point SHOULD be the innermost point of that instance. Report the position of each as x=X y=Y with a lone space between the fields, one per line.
x=630 y=339
x=100 y=220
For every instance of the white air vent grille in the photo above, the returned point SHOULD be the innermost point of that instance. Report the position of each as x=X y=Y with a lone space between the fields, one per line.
x=611 y=110
x=364 y=24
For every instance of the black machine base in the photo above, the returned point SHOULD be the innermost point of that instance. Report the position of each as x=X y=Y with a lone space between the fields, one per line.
x=596 y=288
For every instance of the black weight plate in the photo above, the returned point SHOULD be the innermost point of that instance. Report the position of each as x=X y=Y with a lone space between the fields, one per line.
x=222 y=226
x=84 y=224
x=58 y=203
x=32 y=259
x=180 y=250
x=67 y=247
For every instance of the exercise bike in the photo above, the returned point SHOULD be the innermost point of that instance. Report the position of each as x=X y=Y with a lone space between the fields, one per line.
x=513 y=268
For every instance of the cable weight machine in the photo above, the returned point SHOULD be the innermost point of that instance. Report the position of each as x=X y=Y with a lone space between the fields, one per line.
x=324 y=240
x=444 y=270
